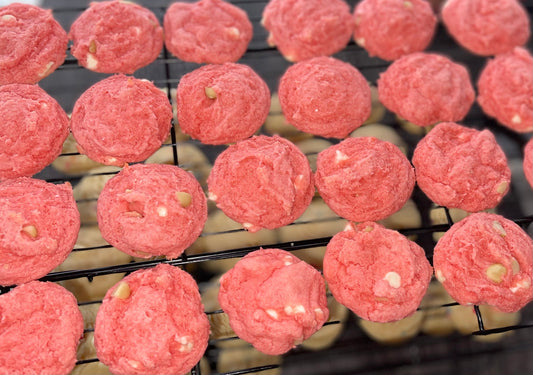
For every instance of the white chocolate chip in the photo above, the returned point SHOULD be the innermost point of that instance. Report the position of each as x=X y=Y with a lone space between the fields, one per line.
x=162 y=211
x=92 y=62
x=515 y=266
x=525 y=284
x=30 y=230
x=299 y=309
x=122 y=291
x=288 y=310
x=360 y=41
x=8 y=18
x=495 y=272
x=134 y=364
x=499 y=228
x=186 y=344
x=184 y=198
x=212 y=197
x=272 y=313
x=233 y=32
x=440 y=276
x=210 y=93
x=319 y=312
x=368 y=229
x=46 y=69
x=288 y=260
x=340 y=156
x=516 y=119
x=247 y=225
x=393 y=279
x=502 y=187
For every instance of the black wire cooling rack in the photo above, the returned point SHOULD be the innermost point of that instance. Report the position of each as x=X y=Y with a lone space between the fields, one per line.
x=353 y=352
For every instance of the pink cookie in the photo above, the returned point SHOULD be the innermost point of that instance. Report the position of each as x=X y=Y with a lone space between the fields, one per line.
x=486 y=259
x=40 y=329
x=302 y=29
x=220 y=104
x=325 y=96
x=39 y=224
x=116 y=37
x=208 y=31
x=376 y=272
x=262 y=182
x=426 y=88
x=486 y=27
x=273 y=300
x=33 y=127
x=505 y=88
x=152 y=209
x=460 y=167
x=121 y=120
x=364 y=179
x=390 y=29
x=152 y=322
x=528 y=161
x=33 y=44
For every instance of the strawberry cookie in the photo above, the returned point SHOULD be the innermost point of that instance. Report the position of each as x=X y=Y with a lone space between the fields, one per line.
x=273 y=300
x=376 y=272
x=486 y=259
x=460 y=167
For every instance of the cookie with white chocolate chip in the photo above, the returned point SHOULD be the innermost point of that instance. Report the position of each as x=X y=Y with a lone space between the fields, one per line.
x=116 y=37
x=376 y=272
x=39 y=224
x=152 y=209
x=486 y=259
x=273 y=300
x=152 y=322
x=207 y=31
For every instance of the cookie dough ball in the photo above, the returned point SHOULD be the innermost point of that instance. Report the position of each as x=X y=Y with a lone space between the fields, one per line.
x=152 y=209
x=486 y=27
x=505 y=88
x=437 y=315
x=311 y=147
x=116 y=37
x=207 y=31
x=460 y=167
x=219 y=104
x=426 y=88
x=325 y=96
x=246 y=357
x=378 y=109
x=33 y=44
x=390 y=29
x=39 y=224
x=364 y=179
x=120 y=120
x=465 y=321
x=273 y=300
x=376 y=272
x=382 y=132
x=41 y=328
x=152 y=322
x=528 y=162
x=92 y=289
x=262 y=182
x=277 y=124
x=33 y=127
x=392 y=333
x=72 y=163
x=486 y=259
x=302 y=29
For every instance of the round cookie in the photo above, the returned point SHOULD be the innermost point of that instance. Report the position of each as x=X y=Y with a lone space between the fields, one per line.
x=116 y=37
x=486 y=27
x=460 y=167
x=72 y=163
x=262 y=182
x=311 y=147
x=393 y=333
x=33 y=44
x=120 y=120
x=505 y=88
x=390 y=29
x=39 y=224
x=437 y=320
x=152 y=322
x=207 y=31
x=426 y=88
x=273 y=300
x=40 y=329
x=33 y=127
x=376 y=272
x=364 y=179
x=324 y=96
x=95 y=254
x=152 y=209
x=302 y=29
x=486 y=259
x=219 y=104
x=383 y=132
x=528 y=162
